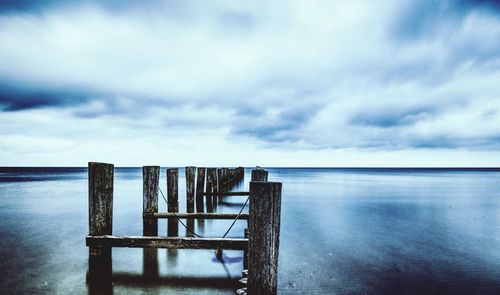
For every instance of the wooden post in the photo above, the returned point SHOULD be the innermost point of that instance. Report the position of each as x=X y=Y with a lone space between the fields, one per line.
x=259 y=174
x=173 y=200
x=100 y=223
x=151 y=180
x=215 y=188
x=200 y=189
x=150 y=186
x=264 y=230
x=241 y=173
x=245 y=252
x=190 y=172
x=211 y=187
x=220 y=184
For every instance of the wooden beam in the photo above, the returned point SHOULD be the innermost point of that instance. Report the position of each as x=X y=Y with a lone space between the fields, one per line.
x=227 y=194
x=243 y=216
x=167 y=242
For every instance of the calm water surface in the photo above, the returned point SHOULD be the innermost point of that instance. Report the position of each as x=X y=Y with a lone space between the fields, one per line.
x=344 y=231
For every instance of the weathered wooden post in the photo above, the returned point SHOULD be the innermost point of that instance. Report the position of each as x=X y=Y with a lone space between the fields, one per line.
x=264 y=230
x=190 y=172
x=151 y=180
x=225 y=179
x=150 y=186
x=245 y=252
x=211 y=183
x=259 y=174
x=212 y=172
x=200 y=189
x=220 y=184
x=173 y=200
x=100 y=223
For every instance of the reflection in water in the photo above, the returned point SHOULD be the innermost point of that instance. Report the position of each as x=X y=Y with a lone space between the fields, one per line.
x=99 y=279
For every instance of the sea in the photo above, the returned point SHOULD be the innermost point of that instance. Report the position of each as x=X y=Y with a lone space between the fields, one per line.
x=343 y=231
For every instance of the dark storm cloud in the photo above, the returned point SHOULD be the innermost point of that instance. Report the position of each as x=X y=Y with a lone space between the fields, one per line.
x=13 y=98
x=393 y=117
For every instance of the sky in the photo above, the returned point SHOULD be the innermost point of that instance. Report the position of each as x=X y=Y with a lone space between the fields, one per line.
x=269 y=83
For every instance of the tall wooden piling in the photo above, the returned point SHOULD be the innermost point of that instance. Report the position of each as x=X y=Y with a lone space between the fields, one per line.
x=150 y=185
x=200 y=189
x=173 y=200
x=100 y=219
x=264 y=228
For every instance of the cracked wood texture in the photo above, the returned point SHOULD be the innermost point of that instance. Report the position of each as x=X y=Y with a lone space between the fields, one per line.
x=150 y=183
x=264 y=231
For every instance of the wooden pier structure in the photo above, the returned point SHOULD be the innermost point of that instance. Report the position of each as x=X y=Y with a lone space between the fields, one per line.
x=205 y=189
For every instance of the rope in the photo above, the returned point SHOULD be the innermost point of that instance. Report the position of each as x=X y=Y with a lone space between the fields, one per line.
x=236 y=218
x=191 y=231
x=180 y=221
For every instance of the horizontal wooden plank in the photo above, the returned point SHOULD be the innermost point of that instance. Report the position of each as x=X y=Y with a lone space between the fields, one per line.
x=227 y=194
x=243 y=216
x=167 y=242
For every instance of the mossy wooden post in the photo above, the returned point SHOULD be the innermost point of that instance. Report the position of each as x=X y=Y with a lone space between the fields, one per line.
x=200 y=189
x=259 y=174
x=264 y=231
x=100 y=219
x=173 y=200
x=150 y=183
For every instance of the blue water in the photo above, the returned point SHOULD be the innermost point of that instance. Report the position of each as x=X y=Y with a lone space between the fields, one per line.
x=343 y=231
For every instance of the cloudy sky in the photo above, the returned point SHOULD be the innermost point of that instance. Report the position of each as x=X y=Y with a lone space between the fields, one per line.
x=272 y=83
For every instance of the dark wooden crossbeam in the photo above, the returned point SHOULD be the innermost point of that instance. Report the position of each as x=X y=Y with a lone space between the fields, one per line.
x=226 y=194
x=167 y=242
x=243 y=216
